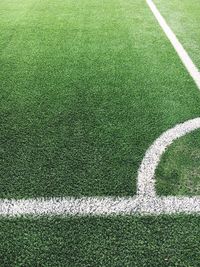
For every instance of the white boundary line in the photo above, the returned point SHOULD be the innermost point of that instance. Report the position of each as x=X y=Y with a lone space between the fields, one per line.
x=99 y=206
x=146 y=201
x=185 y=58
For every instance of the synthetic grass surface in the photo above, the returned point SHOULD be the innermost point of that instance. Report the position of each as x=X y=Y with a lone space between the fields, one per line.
x=86 y=87
x=179 y=170
x=107 y=242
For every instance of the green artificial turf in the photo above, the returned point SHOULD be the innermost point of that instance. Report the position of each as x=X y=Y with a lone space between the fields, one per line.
x=107 y=242
x=86 y=87
x=179 y=170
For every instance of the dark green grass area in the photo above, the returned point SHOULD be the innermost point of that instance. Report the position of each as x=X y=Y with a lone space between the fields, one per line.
x=107 y=242
x=183 y=16
x=86 y=87
x=179 y=170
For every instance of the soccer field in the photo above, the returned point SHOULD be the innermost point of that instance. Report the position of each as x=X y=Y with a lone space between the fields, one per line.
x=88 y=88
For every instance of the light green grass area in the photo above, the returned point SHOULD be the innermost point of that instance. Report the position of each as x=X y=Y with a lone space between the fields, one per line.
x=107 y=242
x=179 y=170
x=86 y=87
x=183 y=17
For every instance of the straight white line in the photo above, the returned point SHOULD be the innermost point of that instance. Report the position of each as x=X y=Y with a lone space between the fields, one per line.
x=96 y=206
x=185 y=58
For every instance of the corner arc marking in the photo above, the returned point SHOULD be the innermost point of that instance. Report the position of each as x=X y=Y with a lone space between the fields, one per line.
x=146 y=172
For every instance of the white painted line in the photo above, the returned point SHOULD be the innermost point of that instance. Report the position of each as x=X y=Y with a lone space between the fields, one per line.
x=96 y=206
x=146 y=181
x=185 y=58
x=67 y=206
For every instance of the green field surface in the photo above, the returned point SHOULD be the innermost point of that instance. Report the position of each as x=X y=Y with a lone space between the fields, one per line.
x=86 y=87
x=107 y=242
x=179 y=170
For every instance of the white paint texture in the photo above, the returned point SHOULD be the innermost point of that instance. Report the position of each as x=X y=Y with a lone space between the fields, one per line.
x=96 y=206
x=146 y=201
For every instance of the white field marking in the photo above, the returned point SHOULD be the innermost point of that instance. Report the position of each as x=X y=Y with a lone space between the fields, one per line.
x=185 y=58
x=145 y=179
x=95 y=206
x=145 y=202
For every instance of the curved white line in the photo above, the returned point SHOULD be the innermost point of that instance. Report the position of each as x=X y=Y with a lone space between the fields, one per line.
x=145 y=179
